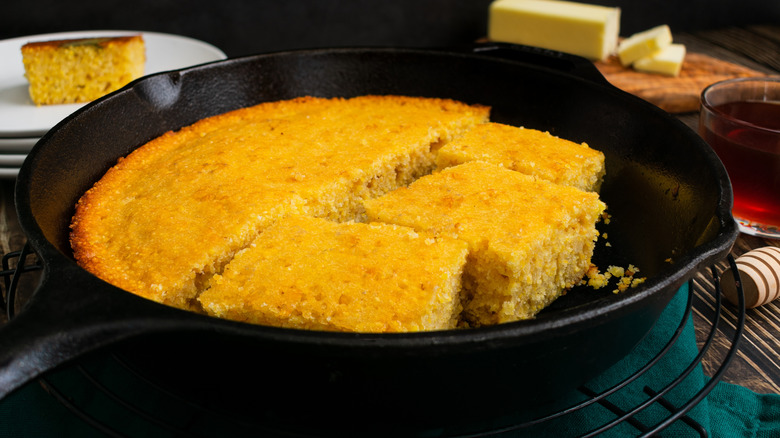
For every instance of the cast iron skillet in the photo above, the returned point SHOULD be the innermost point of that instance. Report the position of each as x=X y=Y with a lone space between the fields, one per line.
x=668 y=195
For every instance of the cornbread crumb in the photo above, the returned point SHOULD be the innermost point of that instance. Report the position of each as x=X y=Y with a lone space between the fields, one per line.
x=81 y=70
x=311 y=273
x=529 y=239
x=625 y=278
x=595 y=278
x=528 y=151
x=637 y=281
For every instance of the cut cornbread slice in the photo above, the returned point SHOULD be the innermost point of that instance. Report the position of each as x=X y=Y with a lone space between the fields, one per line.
x=81 y=70
x=316 y=274
x=528 y=151
x=668 y=61
x=171 y=214
x=529 y=239
x=582 y=29
x=644 y=43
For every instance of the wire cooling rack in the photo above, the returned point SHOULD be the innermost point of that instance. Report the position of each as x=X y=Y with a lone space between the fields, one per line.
x=89 y=396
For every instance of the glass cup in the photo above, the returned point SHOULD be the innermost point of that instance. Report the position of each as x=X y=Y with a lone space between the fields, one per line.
x=740 y=120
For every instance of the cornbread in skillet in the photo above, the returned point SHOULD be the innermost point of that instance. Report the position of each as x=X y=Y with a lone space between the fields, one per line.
x=312 y=273
x=172 y=213
x=528 y=151
x=529 y=239
x=81 y=70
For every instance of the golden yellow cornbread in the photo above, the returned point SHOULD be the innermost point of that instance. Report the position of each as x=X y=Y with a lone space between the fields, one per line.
x=81 y=70
x=312 y=273
x=529 y=239
x=528 y=151
x=171 y=214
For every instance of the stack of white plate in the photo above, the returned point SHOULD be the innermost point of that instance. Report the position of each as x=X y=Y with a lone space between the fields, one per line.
x=22 y=123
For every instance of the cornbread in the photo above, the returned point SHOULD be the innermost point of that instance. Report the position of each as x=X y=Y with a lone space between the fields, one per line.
x=529 y=239
x=311 y=273
x=171 y=214
x=529 y=151
x=81 y=70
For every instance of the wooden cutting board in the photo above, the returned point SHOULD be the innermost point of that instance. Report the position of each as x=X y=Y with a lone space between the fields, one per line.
x=674 y=94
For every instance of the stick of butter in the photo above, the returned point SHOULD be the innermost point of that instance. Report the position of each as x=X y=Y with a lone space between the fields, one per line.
x=667 y=61
x=586 y=30
x=643 y=44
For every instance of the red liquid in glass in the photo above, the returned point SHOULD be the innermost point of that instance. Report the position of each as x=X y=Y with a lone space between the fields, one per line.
x=751 y=158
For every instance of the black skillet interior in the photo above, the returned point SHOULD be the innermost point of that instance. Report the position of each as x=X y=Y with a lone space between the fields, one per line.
x=668 y=196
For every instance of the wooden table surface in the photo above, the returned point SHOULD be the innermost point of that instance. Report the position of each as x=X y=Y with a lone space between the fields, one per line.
x=757 y=364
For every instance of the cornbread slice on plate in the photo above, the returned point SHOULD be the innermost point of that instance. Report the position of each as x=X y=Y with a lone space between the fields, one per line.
x=529 y=239
x=171 y=214
x=312 y=273
x=83 y=69
x=529 y=151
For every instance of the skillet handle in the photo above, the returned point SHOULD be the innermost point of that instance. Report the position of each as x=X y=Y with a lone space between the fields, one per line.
x=67 y=318
x=539 y=57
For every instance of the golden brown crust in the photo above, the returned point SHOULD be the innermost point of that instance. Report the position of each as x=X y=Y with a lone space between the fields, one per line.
x=99 y=41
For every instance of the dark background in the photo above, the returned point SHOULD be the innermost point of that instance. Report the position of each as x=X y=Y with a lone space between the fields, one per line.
x=243 y=27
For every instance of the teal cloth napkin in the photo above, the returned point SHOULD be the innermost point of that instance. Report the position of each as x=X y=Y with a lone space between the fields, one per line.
x=728 y=411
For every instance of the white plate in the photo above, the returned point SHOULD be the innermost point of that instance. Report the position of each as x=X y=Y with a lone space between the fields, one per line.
x=9 y=172
x=12 y=160
x=19 y=117
x=15 y=145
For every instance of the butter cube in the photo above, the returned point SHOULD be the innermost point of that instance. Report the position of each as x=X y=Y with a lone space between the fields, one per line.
x=667 y=61
x=581 y=29
x=643 y=44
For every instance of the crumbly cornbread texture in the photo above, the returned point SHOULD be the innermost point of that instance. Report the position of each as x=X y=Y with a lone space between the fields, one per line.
x=528 y=151
x=529 y=239
x=311 y=273
x=81 y=70
x=171 y=214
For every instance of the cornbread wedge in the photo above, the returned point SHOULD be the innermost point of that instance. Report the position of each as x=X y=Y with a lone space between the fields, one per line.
x=171 y=214
x=528 y=239
x=315 y=274
x=81 y=70
x=529 y=151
